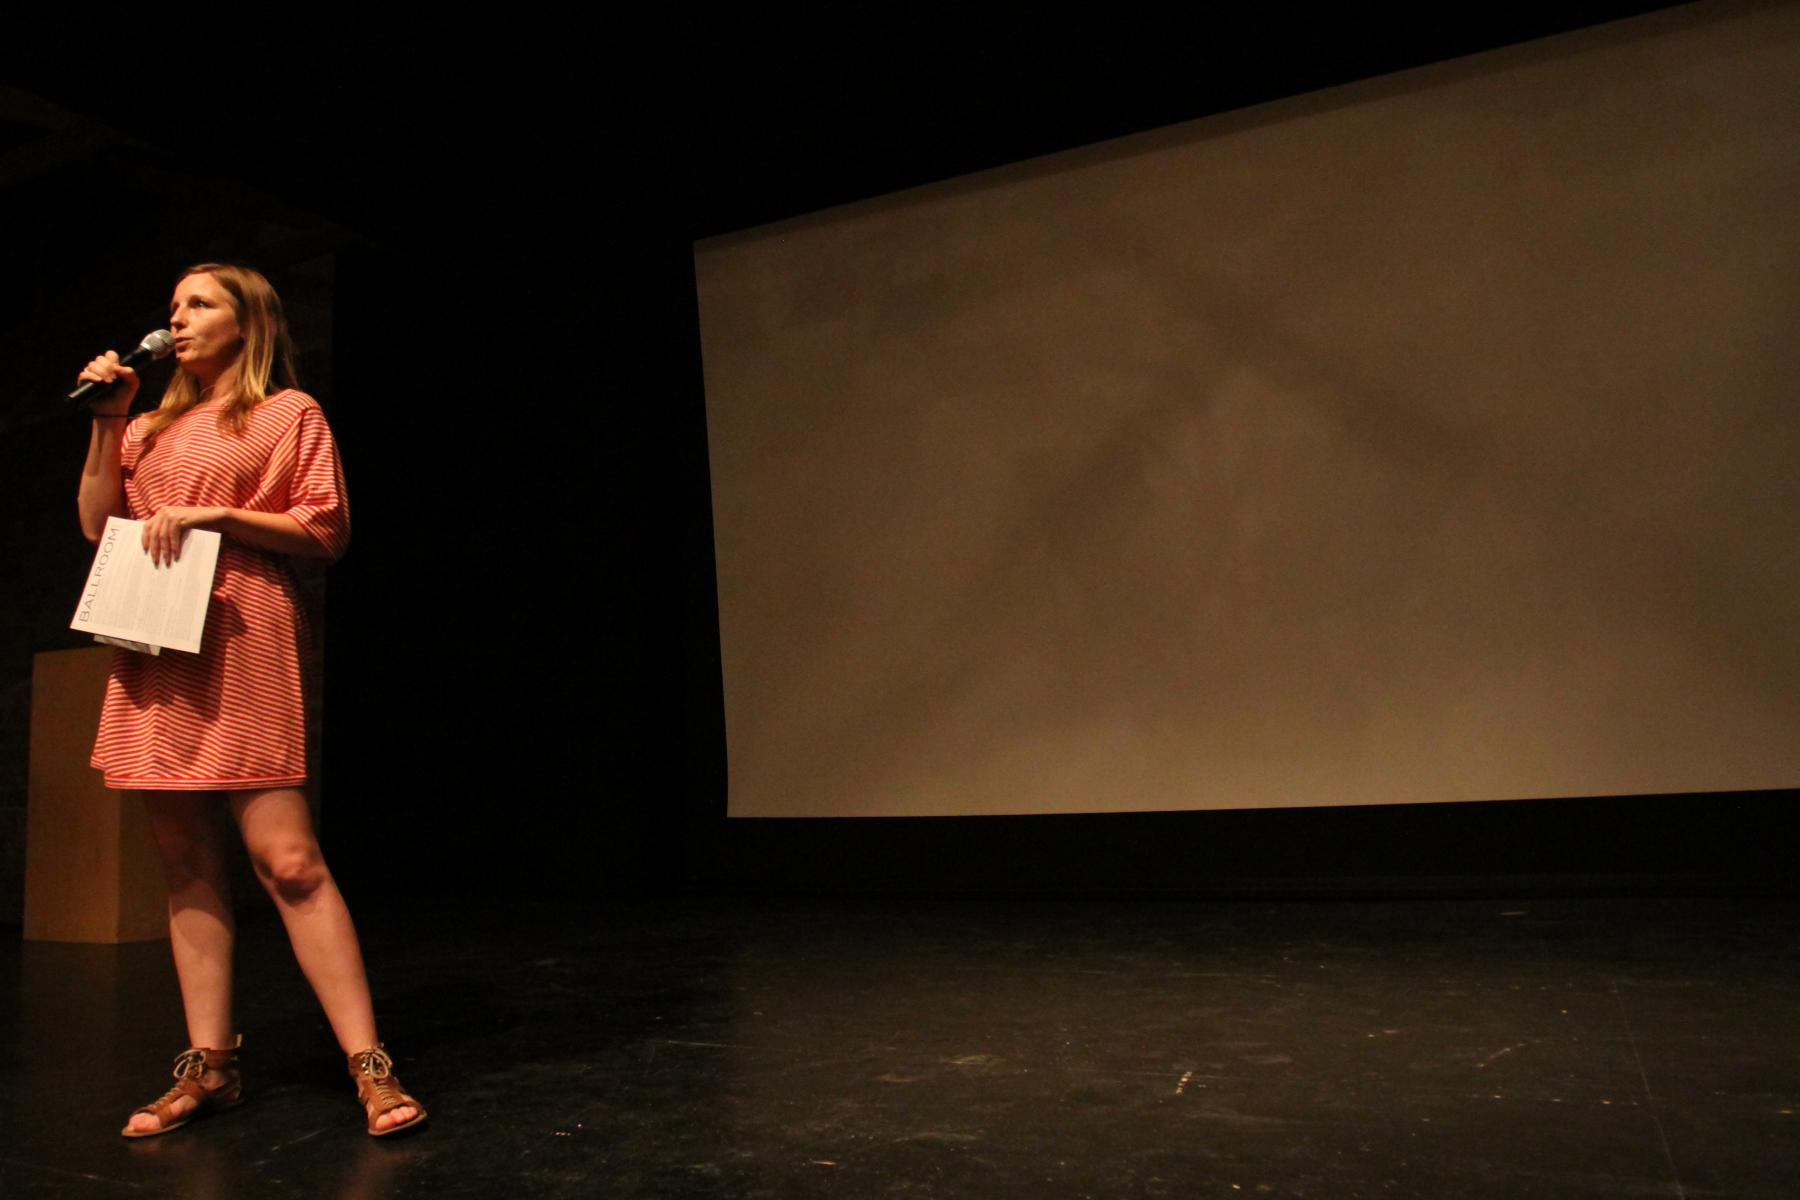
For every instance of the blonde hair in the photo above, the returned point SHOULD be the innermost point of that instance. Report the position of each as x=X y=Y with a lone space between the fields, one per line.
x=264 y=366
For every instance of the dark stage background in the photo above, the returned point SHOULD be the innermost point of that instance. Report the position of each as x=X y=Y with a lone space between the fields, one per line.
x=493 y=234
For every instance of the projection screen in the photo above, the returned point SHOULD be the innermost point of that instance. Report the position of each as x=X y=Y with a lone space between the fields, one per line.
x=1432 y=438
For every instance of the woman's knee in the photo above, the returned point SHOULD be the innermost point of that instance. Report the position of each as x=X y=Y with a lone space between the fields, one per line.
x=278 y=833
x=188 y=843
x=292 y=870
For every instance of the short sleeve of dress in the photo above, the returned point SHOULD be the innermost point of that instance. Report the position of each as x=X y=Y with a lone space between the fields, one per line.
x=304 y=479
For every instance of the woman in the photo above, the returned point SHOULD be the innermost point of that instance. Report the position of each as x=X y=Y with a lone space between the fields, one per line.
x=235 y=448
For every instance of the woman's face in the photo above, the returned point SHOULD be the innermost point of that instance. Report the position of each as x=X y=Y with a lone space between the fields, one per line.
x=207 y=337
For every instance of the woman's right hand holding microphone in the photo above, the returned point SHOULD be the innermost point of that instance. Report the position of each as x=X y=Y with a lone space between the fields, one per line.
x=116 y=400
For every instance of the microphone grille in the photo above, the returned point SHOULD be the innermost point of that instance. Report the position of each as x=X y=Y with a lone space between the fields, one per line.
x=158 y=342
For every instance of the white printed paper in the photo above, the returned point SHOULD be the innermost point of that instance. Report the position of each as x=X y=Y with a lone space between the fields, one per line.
x=140 y=647
x=129 y=600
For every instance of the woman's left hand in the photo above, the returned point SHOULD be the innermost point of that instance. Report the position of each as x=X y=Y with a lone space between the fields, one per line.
x=163 y=531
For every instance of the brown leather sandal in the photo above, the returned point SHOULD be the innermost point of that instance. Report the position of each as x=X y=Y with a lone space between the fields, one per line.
x=191 y=1066
x=380 y=1091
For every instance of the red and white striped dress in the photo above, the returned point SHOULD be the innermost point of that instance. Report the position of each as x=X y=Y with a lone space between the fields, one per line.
x=231 y=717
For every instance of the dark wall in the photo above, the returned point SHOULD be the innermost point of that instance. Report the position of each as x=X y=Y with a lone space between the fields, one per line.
x=492 y=677
x=1681 y=845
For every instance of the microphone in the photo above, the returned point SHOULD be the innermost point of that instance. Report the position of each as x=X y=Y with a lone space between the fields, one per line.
x=156 y=344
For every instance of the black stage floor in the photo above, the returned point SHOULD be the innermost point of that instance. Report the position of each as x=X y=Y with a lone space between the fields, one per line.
x=960 y=1048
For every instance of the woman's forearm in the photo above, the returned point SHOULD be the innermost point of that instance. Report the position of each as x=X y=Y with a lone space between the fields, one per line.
x=270 y=531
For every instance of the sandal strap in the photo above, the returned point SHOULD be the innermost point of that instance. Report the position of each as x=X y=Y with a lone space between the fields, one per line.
x=376 y=1083
x=196 y=1061
x=191 y=1066
x=190 y=1063
x=159 y=1107
x=375 y=1062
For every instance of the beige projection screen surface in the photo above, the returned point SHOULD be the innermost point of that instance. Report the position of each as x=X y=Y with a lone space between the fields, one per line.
x=1430 y=439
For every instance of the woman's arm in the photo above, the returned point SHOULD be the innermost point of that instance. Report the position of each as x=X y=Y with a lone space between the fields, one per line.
x=102 y=492
x=270 y=531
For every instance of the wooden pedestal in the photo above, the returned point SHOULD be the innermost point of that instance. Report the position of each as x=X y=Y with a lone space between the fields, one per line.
x=91 y=872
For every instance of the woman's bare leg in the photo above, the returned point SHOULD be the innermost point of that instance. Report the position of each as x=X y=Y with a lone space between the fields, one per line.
x=278 y=831
x=185 y=826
